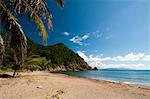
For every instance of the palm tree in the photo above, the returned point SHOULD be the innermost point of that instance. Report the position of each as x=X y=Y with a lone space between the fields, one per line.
x=11 y=10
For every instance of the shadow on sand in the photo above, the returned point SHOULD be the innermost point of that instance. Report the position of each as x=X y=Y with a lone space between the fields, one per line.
x=5 y=76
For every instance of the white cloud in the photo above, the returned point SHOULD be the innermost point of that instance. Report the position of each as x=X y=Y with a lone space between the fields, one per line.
x=82 y=54
x=79 y=40
x=96 y=34
x=131 y=61
x=146 y=58
x=137 y=66
x=129 y=57
x=66 y=33
x=85 y=37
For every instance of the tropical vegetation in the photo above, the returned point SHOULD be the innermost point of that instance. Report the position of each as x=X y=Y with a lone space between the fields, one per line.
x=10 y=10
x=41 y=57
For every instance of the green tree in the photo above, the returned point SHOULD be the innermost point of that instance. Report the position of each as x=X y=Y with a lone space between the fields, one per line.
x=10 y=11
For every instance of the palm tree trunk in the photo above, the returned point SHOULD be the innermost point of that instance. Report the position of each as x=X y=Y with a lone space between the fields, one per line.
x=14 y=73
x=1 y=49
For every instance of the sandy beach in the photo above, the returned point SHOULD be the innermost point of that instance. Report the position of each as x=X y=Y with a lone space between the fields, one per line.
x=44 y=85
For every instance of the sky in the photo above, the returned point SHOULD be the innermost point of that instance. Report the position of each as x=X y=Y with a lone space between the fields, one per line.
x=106 y=33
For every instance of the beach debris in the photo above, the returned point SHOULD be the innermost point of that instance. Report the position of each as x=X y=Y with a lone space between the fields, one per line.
x=55 y=95
x=40 y=87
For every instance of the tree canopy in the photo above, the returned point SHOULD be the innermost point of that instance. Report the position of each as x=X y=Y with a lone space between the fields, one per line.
x=36 y=10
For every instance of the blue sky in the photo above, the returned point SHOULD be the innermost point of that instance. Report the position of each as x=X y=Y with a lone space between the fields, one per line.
x=98 y=29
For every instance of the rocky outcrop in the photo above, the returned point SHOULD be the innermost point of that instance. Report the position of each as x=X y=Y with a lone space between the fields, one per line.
x=95 y=68
x=71 y=67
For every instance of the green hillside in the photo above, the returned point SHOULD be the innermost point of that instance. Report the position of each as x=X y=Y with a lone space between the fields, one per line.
x=58 y=54
x=54 y=58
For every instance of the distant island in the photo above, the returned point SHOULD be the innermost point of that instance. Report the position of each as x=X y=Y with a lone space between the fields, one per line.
x=123 y=69
x=117 y=69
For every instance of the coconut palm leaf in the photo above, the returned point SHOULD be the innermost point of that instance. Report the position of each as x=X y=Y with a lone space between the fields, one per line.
x=60 y=2
x=37 y=10
x=39 y=22
x=15 y=27
x=41 y=27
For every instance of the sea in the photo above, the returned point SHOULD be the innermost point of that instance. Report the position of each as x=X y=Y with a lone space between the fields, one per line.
x=141 y=77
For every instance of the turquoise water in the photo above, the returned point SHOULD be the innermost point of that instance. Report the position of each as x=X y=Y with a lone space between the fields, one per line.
x=125 y=76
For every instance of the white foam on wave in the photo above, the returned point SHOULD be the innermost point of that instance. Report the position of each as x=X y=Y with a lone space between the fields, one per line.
x=129 y=83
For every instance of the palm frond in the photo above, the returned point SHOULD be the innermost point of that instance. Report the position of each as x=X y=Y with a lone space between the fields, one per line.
x=39 y=23
x=41 y=27
x=16 y=29
x=60 y=3
x=37 y=10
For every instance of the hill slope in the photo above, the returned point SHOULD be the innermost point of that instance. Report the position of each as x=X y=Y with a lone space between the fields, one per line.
x=54 y=58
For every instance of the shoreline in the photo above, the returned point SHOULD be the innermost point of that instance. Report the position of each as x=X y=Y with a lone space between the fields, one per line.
x=130 y=83
x=41 y=84
x=101 y=80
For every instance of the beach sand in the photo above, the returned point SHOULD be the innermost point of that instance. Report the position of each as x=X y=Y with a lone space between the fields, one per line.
x=44 y=85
